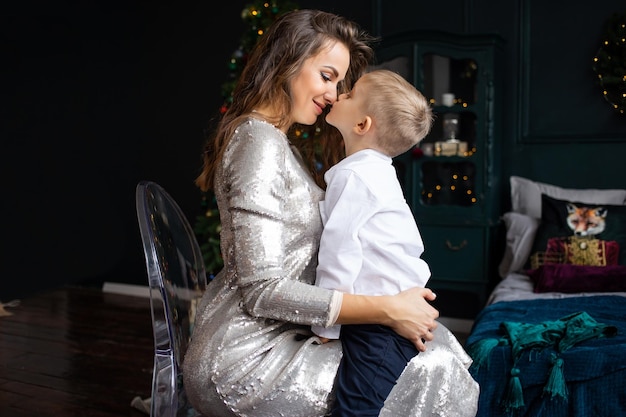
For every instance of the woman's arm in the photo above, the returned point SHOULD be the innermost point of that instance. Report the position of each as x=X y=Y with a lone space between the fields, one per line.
x=408 y=313
x=270 y=225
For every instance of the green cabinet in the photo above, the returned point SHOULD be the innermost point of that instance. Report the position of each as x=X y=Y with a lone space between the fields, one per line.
x=451 y=180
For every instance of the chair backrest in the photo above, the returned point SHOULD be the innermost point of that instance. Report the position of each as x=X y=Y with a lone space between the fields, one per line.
x=177 y=279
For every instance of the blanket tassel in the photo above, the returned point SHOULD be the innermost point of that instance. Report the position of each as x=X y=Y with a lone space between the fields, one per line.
x=556 y=385
x=480 y=352
x=514 y=398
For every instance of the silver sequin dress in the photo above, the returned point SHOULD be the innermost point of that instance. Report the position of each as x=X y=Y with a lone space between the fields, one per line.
x=252 y=352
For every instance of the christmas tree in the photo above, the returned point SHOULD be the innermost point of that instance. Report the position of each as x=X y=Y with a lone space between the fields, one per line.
x=258 y=15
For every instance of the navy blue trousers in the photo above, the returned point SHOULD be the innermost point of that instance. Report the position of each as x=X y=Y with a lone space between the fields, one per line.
x=374 y=356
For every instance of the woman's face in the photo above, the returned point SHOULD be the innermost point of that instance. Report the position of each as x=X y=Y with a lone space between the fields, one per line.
x=315 y=86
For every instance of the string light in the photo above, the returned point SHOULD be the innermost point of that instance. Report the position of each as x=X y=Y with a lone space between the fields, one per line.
x=609 y=63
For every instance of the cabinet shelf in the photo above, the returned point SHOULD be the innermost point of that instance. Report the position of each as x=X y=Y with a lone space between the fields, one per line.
x=440 y=109
x=447 y=158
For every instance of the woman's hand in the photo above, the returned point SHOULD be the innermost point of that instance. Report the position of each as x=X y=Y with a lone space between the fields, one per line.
x=408 y=313
x=412 y=317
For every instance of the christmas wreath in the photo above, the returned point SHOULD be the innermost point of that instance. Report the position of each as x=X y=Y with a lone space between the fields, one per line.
x=609 y=64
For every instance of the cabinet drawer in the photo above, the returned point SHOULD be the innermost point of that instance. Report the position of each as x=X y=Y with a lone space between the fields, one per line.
x=454 y=254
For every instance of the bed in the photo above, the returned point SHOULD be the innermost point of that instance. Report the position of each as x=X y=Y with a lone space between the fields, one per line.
x=551 y=340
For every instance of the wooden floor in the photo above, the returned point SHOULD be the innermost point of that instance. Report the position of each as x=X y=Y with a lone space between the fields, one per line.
x=75 y=352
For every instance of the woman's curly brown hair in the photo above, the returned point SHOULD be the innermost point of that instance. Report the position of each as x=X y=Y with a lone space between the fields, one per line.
x=278 y=56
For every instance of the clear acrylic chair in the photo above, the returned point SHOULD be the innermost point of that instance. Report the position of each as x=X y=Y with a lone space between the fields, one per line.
x=177 y=279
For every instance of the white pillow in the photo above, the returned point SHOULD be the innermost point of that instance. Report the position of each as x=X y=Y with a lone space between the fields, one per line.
x=526 y=195
x=520 y=235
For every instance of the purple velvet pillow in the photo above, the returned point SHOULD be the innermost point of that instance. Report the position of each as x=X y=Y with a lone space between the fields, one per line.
x=568 y=278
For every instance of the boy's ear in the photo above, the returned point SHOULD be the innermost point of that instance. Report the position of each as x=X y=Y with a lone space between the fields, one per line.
x=363 y=126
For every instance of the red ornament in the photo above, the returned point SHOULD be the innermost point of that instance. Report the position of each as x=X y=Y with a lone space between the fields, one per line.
x=417 y=152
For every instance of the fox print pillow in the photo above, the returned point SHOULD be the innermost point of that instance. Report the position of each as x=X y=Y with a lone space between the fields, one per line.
x=569 y=222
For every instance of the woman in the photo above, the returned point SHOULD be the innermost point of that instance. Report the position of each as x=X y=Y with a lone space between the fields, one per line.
x=252 y=351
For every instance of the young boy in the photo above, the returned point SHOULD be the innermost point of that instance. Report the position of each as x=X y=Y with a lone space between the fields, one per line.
x=370 y=243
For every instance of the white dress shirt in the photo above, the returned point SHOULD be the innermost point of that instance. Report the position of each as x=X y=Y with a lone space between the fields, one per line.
x=370 y=243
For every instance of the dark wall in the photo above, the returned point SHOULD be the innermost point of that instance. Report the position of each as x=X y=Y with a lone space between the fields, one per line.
x=96 y=98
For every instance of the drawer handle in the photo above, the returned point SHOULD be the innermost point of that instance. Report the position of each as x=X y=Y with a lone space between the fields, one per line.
x=452 y=247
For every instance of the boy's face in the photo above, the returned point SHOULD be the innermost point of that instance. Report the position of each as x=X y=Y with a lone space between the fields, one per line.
x=347 y=111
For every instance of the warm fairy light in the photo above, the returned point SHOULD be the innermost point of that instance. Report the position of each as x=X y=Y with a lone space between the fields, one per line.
x=438 y=187
x=469 y=192
x=455 y=176
x=608 y=63
x=453 y=187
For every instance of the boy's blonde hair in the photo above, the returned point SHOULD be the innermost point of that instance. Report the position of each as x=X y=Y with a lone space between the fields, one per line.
x=401 y=113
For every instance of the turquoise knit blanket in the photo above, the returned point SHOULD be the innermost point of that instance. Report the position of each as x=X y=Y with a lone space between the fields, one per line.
x=543 y=357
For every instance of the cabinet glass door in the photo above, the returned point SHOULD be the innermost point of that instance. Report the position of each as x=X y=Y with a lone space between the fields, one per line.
x=448 y=175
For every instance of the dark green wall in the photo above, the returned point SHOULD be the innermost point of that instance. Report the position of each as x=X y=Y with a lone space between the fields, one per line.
x=99 y=97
